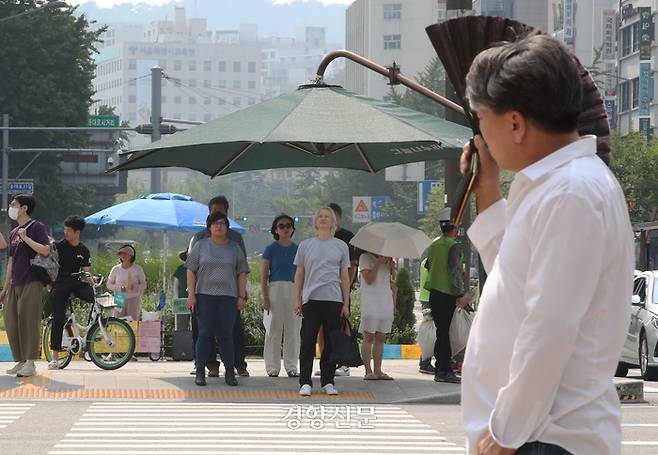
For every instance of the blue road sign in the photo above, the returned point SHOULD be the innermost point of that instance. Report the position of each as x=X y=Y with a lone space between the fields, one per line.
x=423 y=192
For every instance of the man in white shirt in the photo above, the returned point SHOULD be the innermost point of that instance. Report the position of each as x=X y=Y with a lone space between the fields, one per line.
x=537 y=376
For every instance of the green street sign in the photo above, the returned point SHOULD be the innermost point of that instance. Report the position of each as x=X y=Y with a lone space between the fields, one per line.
x=104 y=121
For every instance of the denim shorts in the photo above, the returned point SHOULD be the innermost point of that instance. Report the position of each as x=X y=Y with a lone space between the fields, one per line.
x=541 y=448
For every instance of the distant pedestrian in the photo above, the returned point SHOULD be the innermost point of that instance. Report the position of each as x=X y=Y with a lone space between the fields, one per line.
x=322 y=288
x=445 y=283
x=128 y=278
x=277 y=284
x=180 y=277
x=377 y=289
x=217 y=283
x=554 y=311
x=220 y=204
x=22 y=294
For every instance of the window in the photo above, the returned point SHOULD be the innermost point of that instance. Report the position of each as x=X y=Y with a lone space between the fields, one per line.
x=623 y=95
x=192 y=100
x=251 y=67
x=178 y=65
x=237 y=84
x=640 y=288
x=392 y=11
x=251 y=84
x=206 y=65
x=626 y=40
x=636 y=93
x=192 y=83
x=177 y=100
x=221 y=83
x=636 y=36
x=221 y=101
x=221 y=66
x=392 y=41
x=132 y=64
x=206 y=100
x=237 y=67
x=206 y=84
x=191 y=65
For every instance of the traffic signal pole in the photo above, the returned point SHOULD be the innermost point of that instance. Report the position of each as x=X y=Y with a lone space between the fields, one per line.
x=5 y=164
x=156 y=119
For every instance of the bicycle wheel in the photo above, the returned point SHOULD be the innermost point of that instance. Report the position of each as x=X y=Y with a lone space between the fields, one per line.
x=65 y=356
x=115 y=352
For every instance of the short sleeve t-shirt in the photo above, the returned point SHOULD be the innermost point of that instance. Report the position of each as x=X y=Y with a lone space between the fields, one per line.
x=346 y=236
x=282 y=267
x=71 y=260
x=322 y=261
x=21 y=254
x=181 y=274
x=216 y=266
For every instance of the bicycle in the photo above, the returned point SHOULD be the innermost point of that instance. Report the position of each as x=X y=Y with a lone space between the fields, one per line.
x=109 y=341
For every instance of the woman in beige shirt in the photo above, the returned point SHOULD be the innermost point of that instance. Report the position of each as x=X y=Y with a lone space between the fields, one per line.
x=128 y=277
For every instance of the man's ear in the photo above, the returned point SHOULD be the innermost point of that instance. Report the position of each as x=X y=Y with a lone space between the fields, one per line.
x=518 y=126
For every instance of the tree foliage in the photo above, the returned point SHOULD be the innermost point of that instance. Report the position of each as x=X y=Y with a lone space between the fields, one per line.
x=46 y=69
x=404 y=320
x=634 y=163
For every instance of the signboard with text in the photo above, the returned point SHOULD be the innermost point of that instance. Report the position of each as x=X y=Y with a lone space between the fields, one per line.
x=645 y=127
x=361 y=209
x=568 y=28
x=377 y=207
x=609 y=33
x=104 y=121
x=423 y=192
x=611 y=110
x=20 y=186
x=646 y=33
x=645 y=89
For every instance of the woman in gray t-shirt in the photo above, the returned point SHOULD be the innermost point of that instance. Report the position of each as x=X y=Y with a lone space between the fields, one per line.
x=216 y=272
x=322 y=289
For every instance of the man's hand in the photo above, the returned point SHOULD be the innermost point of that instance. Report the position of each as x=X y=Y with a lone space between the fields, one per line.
x=3 y=294
x=463 y=301
x=266 y=305
x=488 y=446
x=22 y=233
x=242 y=303
x=487 y=182
x=298 y=309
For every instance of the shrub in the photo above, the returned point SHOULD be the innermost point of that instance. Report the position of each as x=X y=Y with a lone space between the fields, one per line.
x=404 y=320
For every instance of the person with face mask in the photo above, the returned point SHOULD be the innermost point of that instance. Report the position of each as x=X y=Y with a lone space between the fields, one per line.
x=22 y=294
x=128 y=278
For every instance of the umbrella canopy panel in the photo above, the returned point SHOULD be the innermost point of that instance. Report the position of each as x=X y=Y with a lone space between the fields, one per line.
x=315 y=126
x=163 y=211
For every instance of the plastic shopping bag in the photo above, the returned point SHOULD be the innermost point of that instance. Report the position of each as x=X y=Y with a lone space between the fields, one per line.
x=460 y=327
x=426 y=335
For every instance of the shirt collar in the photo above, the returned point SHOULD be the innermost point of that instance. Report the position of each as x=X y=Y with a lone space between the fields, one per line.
x=586 y=146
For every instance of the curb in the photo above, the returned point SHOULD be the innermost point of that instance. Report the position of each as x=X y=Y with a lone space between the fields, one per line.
x=439 y=398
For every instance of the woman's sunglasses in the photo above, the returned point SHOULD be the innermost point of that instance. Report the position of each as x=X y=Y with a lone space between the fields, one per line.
x=284 y=226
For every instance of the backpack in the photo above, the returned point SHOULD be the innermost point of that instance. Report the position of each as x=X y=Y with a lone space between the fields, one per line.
x=45 y=268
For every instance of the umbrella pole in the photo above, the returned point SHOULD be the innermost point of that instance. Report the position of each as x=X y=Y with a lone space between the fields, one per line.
x=165 y=248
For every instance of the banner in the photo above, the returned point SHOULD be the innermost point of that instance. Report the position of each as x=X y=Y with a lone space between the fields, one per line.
x=611 y=110
x=645 y=89
x=568 y=28
x=645 y=127
x=609 y=32
x=646 y=33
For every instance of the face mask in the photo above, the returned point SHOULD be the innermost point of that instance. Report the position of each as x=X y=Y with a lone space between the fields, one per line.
x=13 y=213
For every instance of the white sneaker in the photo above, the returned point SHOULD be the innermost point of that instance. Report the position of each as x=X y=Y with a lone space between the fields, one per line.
x=329 y=389
x=305 y=390
x=27 y=370
x=15 y=368
x=343 y=371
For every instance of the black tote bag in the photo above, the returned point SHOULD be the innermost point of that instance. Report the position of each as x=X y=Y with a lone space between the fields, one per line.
x=344 y=346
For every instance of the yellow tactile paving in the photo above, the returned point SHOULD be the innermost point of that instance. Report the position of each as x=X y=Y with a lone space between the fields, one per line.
x=40 y=387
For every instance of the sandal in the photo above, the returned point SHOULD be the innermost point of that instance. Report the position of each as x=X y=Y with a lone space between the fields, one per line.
x=52 y=365
x=384 y=377
x=370 y=377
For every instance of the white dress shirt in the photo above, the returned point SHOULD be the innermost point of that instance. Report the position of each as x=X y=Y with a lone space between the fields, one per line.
x=554 y=310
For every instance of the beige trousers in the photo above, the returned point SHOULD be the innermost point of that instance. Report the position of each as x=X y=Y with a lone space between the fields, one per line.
x=22 y=314
x=284 y=324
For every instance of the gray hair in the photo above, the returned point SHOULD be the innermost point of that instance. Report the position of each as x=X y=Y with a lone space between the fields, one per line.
x=536 y=76
x=334 y=223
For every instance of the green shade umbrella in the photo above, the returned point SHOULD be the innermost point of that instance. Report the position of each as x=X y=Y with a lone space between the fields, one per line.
x=315 y=126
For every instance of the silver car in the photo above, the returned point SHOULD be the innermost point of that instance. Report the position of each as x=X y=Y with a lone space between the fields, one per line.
x=641 y=346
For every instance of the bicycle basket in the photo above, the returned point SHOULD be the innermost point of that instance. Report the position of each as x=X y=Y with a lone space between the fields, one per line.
x=105 y=300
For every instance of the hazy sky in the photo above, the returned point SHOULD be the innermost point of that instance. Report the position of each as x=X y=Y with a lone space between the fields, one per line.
x=110 y=3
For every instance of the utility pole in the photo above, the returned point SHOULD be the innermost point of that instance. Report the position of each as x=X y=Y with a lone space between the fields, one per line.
x=156 y=118
x=5 y=164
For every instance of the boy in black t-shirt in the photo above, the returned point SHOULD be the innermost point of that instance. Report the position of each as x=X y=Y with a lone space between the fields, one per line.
x=73 y=257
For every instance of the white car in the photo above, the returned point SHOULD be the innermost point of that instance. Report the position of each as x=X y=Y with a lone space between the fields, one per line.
x=641 y=345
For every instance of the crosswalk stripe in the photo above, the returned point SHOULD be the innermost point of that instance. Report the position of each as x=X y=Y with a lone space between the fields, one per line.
x=10 y=412
x=251 y=429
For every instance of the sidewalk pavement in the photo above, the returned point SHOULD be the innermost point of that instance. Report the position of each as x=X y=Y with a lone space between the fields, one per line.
x=168 y=380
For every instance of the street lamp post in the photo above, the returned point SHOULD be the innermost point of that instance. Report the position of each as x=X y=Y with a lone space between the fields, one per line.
x=49 y=5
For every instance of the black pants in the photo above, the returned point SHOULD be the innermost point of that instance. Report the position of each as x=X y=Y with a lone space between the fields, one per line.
x=442 y=307
x=316 y=314
x=238 y=343
x=60 y=300
x=541 y=448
